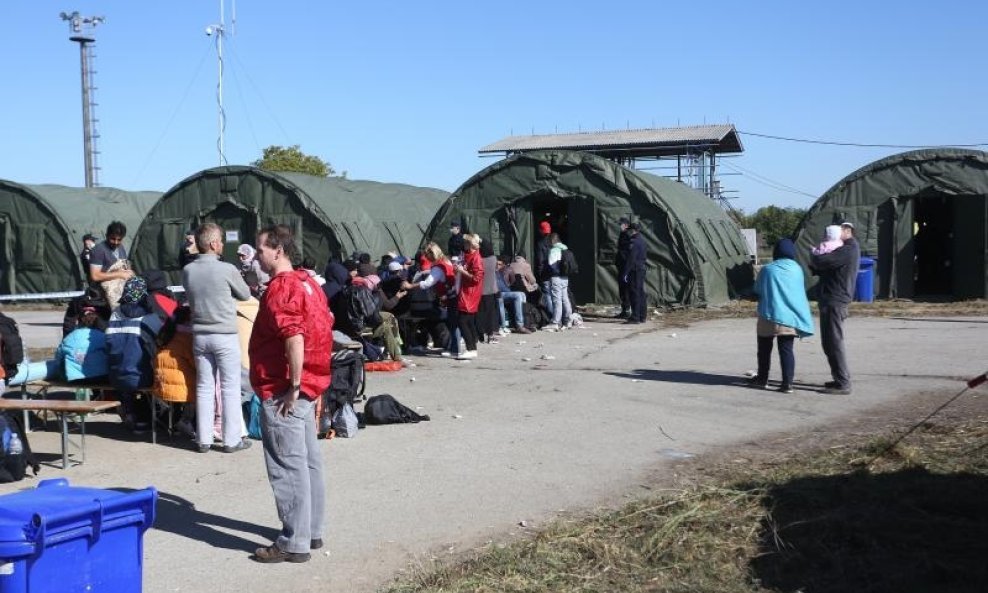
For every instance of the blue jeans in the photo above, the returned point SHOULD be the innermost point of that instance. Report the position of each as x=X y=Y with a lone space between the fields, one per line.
x=517 y=299
x=561 y=307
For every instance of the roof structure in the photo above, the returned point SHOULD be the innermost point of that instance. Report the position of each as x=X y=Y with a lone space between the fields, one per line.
x=629 y=144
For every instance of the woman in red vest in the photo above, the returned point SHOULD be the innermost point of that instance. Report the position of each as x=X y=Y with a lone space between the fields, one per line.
x=471 y=273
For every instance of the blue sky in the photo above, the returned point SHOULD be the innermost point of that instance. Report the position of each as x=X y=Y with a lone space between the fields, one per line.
x=408 y=91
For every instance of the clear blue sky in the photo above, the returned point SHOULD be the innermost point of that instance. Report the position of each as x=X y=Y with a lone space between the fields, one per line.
x=408 y=91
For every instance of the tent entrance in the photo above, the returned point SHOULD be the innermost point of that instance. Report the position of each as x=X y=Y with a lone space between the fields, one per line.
x=933 y=246
x=239 y=225
x=574 y=219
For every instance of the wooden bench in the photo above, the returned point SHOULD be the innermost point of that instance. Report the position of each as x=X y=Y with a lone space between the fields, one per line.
x=65 y=410
x=43 y=386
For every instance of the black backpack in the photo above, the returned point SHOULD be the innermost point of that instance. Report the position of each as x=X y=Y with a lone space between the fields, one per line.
x=385 y=409
x=13 y=466
x=361 y=309
x=567 y=264
x=12 y=346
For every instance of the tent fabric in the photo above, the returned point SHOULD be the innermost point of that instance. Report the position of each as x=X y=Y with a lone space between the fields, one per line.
x=41 y=230
x=882 y=200
x=331 y=216
x=696 y=254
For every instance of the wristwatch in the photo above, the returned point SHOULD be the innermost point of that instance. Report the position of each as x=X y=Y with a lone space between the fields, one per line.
x=297 y=387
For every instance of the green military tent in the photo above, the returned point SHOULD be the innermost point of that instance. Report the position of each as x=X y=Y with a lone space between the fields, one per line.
x=332 y=216
x=41 y=229
x=923 y=214
x=696 y=254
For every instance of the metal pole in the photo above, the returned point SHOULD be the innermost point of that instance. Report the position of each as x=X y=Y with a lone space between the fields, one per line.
x=87 y=126
x=219 y=87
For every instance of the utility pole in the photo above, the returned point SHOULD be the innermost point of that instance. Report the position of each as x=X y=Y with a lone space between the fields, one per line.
x=86 y=59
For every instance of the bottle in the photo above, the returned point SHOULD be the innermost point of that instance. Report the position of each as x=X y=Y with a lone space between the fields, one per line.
x=16 y=448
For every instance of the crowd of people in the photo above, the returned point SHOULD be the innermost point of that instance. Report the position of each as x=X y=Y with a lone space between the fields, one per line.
x=267 y=324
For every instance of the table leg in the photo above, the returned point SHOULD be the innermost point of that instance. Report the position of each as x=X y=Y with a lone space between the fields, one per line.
x=65 y=440
x=82 y=435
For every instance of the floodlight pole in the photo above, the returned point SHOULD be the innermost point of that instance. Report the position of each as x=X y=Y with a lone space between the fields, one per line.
x=220 y=31
x=89 y=135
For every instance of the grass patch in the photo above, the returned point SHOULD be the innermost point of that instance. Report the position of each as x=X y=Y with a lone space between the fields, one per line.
x=831 y=520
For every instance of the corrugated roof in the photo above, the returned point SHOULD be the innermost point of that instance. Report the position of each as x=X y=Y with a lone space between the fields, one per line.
x=723 y=136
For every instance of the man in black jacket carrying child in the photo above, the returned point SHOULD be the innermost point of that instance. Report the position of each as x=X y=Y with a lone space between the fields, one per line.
x=838 y=272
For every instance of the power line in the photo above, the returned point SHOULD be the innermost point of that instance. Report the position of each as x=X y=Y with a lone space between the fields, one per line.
x=777 y=185
x=860 y=144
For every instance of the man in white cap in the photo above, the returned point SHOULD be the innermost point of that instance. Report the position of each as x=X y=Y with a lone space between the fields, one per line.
x=838 y=272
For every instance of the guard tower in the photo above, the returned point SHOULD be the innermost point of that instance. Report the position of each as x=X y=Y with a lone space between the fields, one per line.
x=687 y=154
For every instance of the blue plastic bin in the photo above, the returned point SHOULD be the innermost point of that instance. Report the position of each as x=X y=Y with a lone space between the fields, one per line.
x=864 y=286
x=58 y=537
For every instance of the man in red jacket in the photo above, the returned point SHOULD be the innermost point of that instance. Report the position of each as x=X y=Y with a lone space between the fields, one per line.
x=290 y=349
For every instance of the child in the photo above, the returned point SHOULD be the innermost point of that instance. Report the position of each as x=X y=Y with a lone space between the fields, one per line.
x=831 y=242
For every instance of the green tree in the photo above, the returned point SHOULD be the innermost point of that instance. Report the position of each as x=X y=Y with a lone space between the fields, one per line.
x=774 y=223
x=293 y=160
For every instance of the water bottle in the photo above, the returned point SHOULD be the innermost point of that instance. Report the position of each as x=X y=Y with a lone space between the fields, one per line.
x=16 y=448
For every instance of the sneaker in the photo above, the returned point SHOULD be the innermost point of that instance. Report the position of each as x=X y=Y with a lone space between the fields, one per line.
x=467 y=355
x=503 y=332
x=243 y=444
x=786 y=388
x=623 y=315
x=831 y=385
x=521 y=329
x=837 y=390
x=315 y=544
x=203 y=448
x=757 y=383
x=493 y=340
x=446 y=353
x=273 y=554
x=552 y=327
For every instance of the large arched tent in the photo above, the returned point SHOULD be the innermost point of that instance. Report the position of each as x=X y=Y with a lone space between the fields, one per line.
x=696 y=254
x=41 y=230
x=332 y=216
x=922 y=214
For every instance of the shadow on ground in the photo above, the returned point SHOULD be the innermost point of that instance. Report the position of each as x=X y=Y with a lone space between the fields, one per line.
x=178 y=515
x=693 y=377
x=907 y=531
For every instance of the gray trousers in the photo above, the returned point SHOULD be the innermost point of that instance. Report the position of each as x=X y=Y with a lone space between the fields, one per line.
x=295 y=471
x=832 y=318
x=218 y=358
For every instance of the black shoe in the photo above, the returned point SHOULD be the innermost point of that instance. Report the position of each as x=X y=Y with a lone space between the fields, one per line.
x=837 y=390
x=273 y=554
x=623 y=315
x=243 y=444
x=757 y=383
x=786 y=388
x=831 y=385
x=315 y=544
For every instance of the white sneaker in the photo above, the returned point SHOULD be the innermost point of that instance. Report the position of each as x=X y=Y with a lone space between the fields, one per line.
x=467 y=355
x=552 y=327
x=503 y=332
x=446 y=353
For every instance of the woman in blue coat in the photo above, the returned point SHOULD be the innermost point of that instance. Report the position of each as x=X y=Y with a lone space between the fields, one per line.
x=783 y=314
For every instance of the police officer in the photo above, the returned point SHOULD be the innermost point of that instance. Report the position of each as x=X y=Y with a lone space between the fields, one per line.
x=634 y=274
x=623 y=252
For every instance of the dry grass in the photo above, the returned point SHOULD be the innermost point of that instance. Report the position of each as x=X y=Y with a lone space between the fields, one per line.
x=832 y=520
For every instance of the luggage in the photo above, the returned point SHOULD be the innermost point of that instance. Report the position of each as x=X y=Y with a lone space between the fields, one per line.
x=346 y=386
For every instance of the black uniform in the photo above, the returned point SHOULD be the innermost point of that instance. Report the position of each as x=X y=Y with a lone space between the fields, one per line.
x=623 y=253
x=634 y=274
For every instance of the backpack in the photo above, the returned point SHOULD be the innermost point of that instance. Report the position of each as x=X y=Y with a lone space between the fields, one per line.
x=361 y=309
x=346 y=387
x=12 y=346
x=13 y=466
x=385 y=409
x=535 y=316
x=567 y=264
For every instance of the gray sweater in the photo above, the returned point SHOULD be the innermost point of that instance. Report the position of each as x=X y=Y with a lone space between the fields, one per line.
x=212 y=286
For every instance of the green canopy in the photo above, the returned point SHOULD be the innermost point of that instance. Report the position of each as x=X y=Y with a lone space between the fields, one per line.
x=331 y=216
x=696 y=254
x=41 y=230
x=921 y=214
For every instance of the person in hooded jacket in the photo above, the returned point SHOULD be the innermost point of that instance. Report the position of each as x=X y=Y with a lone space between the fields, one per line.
x=562 y=309
x=131 y=347
x=783 y=314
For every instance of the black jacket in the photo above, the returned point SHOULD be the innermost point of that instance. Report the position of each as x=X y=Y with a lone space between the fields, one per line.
x=636 y=256
x=623 y=249
x=542 y=271
x=838 y=272
x=455 y=245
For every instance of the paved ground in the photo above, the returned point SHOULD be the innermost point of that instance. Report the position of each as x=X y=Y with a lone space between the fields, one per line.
x=513 y=437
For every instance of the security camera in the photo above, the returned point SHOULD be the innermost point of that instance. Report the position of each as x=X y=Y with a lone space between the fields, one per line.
x=209 y=31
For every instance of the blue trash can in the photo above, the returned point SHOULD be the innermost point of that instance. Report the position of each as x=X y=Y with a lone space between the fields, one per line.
x=864 y=287
x=62 y=538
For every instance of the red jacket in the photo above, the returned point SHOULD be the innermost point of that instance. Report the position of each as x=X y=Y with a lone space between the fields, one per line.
x=293 y=304
x=471 y=288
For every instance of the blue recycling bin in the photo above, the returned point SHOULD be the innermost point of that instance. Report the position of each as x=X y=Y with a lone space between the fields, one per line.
x=864 y=286
x=58 y=537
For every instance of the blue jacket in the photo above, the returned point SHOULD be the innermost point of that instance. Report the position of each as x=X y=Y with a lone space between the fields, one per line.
x=130 y=343
x=82 y=354
x=782 y=296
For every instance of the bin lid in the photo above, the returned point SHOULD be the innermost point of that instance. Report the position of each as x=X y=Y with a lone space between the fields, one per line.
x=60 y=508
x=866 y=262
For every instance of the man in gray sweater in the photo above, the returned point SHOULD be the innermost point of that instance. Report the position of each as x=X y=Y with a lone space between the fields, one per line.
x=211 y=286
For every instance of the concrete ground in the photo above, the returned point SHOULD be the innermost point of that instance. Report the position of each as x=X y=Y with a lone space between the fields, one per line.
x=538 y=426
